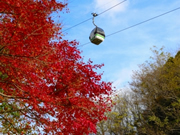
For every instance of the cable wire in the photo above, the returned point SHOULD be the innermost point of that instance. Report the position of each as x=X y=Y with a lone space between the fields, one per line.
x=99 y=7
x=92 y=17
x=112 y=7
x=77 y=24
x=137 y=24
x=144 y=21
x=83 y=44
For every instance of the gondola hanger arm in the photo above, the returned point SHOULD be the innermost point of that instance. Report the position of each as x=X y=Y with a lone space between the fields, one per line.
x=94 y=15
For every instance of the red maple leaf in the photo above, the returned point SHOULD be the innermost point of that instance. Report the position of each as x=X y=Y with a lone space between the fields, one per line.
x=48 y=80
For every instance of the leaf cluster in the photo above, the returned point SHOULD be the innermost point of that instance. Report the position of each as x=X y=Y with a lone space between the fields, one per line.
x=45 y=85
x=152 y=107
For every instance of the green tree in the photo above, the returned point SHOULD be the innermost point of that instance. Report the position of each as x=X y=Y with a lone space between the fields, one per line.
x=157 y=86
x=119 y=119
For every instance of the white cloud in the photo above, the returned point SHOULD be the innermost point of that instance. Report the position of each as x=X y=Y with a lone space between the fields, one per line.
x=122 y=52
x=123 y=76
x=102 y=5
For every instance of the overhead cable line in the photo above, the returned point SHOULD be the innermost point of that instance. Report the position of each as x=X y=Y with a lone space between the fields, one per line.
x=92 y=17
x=83 y=44
x=137 y=24
x=76 y=24
x=112 y=7
x=144 y=21
x=99 y=7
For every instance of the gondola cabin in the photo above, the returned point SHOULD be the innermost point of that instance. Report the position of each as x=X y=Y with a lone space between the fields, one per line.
x=97 y=36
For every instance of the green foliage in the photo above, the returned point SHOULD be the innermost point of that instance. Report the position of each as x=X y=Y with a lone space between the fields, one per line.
x=3 y=76
x=119 y=119
x=153 y=106
x=158 y=86
x=10 y=115
x=11 y=120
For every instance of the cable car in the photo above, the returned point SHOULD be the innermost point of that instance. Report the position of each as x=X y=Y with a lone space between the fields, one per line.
x=97 y=34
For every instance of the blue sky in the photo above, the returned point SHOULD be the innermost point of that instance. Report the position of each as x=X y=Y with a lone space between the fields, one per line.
x=121 y=53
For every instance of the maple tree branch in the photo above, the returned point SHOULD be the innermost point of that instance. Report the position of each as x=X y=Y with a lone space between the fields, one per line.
x=7 y=96
x=10 y=55
x=83 y=108
x=34 y=118
x=18 y=110
x=9 y=123
x=2 y=48
x=21 y=90
x=4 y=12
x=22 y=56
x=33 y=32
x=70 y=97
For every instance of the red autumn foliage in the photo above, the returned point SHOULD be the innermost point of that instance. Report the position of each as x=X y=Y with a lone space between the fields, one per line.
x=54 y=88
